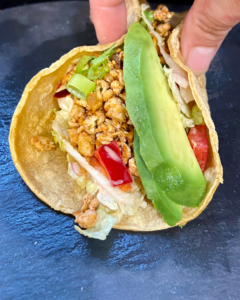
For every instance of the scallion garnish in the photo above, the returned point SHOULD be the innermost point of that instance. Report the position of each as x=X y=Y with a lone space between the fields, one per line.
x=99 y=72
x=99 y=60
x=99 y=66
x=149 y=15
x=82 y=63
x=80 y=86
x=84 y=72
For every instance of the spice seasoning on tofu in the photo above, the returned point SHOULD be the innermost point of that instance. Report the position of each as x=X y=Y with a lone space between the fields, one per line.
x=103 y=118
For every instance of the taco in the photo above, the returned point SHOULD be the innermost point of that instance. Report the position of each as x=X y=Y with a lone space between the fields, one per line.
x=120 y=135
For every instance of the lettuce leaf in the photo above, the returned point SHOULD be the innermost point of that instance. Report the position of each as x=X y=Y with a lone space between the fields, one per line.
x=103 y=226
x=187 y=122
x=127 y=203
x=186 y=94
x=60 y=123
x=182 y=105
x=85 y=183
x=106 y=199
x=197 y=115
x=179 y=75
x=91 y=187
x=114 y=203
x=189 y=118
x=195 y=119
x=57 y=140
x=62 y=118
x=66 y=103
x=116 y=193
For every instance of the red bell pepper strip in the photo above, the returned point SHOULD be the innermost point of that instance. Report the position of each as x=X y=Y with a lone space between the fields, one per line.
x=199 y=143
x=97 y=166
x=62 y=94
x=110 y=158
x=61 y=91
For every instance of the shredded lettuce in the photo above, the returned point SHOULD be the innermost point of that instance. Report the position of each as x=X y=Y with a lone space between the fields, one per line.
x=79 y=179
x=66 y=103
x=57 y=140
x=117 y=203
x=176 y=75
x=60 y=123
x=116 y=193
x=182 y=105
x=110 y=212
x=106 y=199
x=186 y=94
x=55 y=136
x=54 y=111
x=114 y=203
x=102 y=227
x=179 y=75
x=91 y=187
x=195 y=119
x=84 y=183
x=187 y=122
x=197 y=115
x=62 y=117
x=189 y=118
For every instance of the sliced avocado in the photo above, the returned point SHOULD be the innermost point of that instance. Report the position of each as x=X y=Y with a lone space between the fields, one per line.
x=170 y=211
x=164 y=145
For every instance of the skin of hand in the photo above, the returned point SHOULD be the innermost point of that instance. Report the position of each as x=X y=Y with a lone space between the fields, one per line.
x=205 y=27
x=109 y=18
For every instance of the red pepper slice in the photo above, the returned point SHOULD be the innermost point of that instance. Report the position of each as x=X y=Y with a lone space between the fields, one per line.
x=198 y=140
x=62 y=93
x=110 y=158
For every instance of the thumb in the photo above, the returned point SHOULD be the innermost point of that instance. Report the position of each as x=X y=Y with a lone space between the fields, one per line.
x=109 y=18
x=205 y=27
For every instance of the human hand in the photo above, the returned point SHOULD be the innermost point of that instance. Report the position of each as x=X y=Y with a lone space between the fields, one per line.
x=109 y=18
x=205 y=27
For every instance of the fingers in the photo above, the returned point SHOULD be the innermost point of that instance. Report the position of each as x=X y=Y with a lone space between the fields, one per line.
x=109 y=18
x=206 y=25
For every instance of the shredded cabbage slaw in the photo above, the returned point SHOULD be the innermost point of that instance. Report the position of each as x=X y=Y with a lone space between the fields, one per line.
x=116 y=202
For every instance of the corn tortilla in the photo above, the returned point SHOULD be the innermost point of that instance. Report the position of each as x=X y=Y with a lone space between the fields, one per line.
x=46 y=172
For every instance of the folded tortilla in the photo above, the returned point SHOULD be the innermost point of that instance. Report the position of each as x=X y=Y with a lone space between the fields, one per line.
x=46 y=173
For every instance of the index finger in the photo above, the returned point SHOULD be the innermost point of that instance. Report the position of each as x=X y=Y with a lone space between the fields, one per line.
x=109 y=18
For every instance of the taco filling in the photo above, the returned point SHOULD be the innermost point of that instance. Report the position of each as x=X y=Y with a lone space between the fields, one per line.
x=131 y=130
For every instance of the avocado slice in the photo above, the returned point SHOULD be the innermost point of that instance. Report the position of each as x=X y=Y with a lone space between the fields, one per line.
x=170 y=211
x=164 y=145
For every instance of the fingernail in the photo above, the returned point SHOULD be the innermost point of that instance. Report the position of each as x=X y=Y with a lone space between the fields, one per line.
x=199 y=59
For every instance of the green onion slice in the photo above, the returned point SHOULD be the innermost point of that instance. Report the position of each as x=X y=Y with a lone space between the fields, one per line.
x=84 y=72
x=99 y=72
x=80 y=86
x=99 y=66
x=149 y=15
x=99 y=60
x=82 y=63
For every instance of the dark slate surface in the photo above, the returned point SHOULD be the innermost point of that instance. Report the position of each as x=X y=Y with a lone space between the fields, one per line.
x=43 y=257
